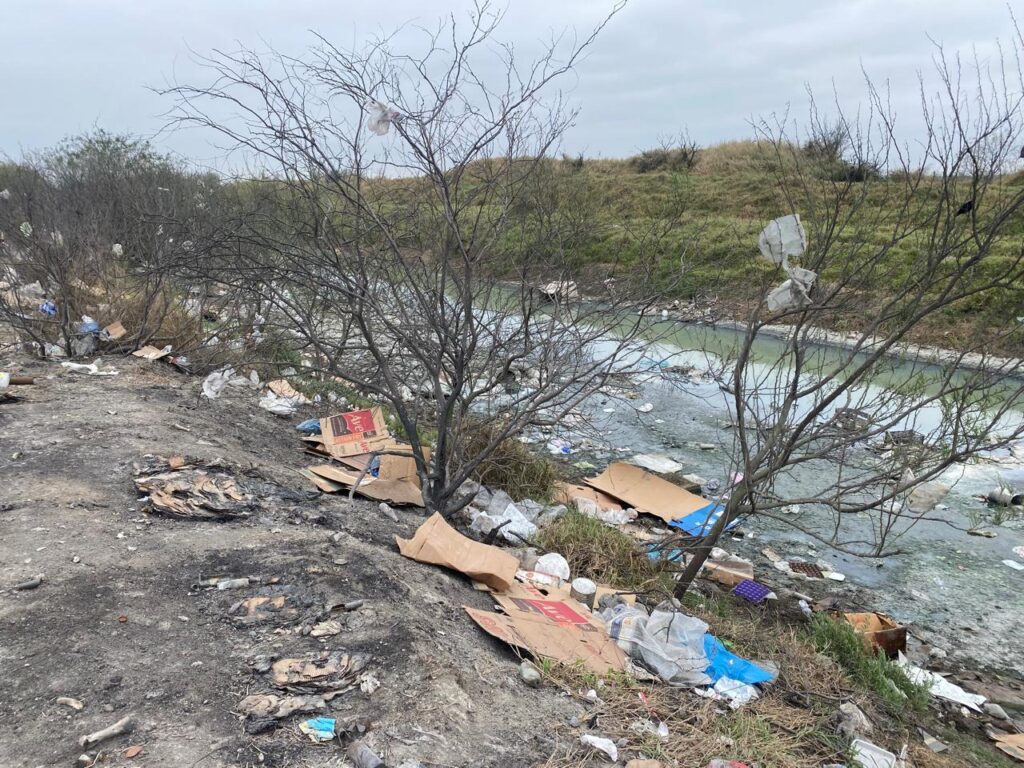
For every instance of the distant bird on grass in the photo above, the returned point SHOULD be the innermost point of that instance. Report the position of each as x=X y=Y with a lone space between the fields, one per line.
x=965 y=208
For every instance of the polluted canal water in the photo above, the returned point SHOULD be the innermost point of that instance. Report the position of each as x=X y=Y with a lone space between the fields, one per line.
x=952 y=587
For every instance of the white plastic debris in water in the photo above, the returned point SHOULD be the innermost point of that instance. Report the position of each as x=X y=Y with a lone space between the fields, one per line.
x=380 y=117
x=559 y=446
x=117 y=249
x=782 y=238
x=92 y=369
x=1014 y=564
x=5 y=380
x=553 y=564
x=646 y=408
x=25 y=229
x=657 y=463
x=601 y=744
x=5 y=194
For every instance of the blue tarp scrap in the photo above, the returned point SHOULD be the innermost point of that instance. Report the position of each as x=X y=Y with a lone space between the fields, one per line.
x=699 y=522
x=724 y=663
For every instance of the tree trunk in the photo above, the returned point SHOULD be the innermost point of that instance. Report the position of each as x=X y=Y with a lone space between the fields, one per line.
x=703 y=550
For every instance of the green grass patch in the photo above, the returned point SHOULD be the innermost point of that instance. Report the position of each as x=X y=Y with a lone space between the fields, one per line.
x=870 y=671
x=511 y=466
x=604 y=554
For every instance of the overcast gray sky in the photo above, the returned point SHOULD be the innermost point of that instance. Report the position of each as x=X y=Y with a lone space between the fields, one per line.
x=67 y=66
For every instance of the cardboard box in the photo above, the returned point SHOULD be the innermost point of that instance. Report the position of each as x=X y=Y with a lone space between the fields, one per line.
x=347 y=434
x=438 y=543
x=880 y=632
x=646 y=492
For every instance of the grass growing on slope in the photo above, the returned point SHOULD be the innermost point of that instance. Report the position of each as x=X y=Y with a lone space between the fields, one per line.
x=604 y=554
x=868 y=670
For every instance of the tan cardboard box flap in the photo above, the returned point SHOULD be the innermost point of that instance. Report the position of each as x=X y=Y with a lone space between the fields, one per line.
x=400 y=492
x=647 y=492
x=438 y=543
x=553 y=630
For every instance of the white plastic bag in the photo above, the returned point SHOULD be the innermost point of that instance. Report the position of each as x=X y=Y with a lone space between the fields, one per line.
x=602 y=744
x=214 y=384
x=553 y=564
x=669 y=643
x=277 y=405
x=380 y=117
x=782 y=238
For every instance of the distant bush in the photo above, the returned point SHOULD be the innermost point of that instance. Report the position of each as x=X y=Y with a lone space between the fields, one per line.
x=676 y=159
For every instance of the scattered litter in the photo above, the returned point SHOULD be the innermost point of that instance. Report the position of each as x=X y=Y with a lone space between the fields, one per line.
x=191 y=489
x=355 y=432
x=553 y=564
x=362 y=756
x=67 y=701
x=318 y=728
x=735 y=692
x=869 y=755
x=232 y=583
x=782 y=238
x=122 y=726
x=559 y=446
x=309 y=427
x=504 y=514
x=724 y=663
x=853 y=721
x=397 y=480
x=152 y=353
x=326 y=628
x=32 y=583
x=437 y=543
x=214 y=384
x=669 y=643
x=925 y=496
x=277 y=405
x=379 y=117
x=329 y=674
x=880 y=632
x=601 y=744
x=133 y=751
x=932 y=743
x=270 y=705
x=981 y=532
x=594 y=503
x=655 y=463
x=368 y=683
x=92 y=369
x=1012 y=744
x=583 y=591
x=752 y=592
x=728 y=569
x=1014 y=564
x=558 y=629
x=811 y=570
x=278 y=604
x=653 y=495
x=645 y=408
x=940 y=686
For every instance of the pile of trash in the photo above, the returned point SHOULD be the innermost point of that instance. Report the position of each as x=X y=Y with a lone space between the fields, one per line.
x=187 y=487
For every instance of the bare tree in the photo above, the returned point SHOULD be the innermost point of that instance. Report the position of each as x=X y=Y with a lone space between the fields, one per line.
x=855 y=430
x=397 y=226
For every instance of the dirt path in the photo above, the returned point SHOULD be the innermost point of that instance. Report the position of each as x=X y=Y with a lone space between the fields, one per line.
x=118 y=625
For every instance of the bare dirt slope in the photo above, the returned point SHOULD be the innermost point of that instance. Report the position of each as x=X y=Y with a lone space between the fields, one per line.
x=118 y=625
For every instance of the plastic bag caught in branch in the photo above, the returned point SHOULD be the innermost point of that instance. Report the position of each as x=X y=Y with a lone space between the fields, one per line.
x=380 y=117
x=795 y=293
x=782 y=238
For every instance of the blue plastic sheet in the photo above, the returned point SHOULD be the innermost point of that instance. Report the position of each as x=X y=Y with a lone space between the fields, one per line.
x=319 y=728
x=309 y=427
x=724 y=663
x=699 y=522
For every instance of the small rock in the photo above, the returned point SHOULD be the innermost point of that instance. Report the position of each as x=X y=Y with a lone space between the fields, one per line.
x=388 y=512
x=67 y=701
x=529 y=674
x=994 y=710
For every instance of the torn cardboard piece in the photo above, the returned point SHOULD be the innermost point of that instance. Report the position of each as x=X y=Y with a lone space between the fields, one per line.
x=401 y=492
x=552 y=629
x=152 y=353
x=880 y=632
x=648 y=493
x=114 y=331
x=1012 y=744
x=347 y=434
x=282 y=388
x=437 y=543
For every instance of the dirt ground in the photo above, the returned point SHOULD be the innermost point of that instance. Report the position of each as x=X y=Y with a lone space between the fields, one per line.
x=118 y=625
